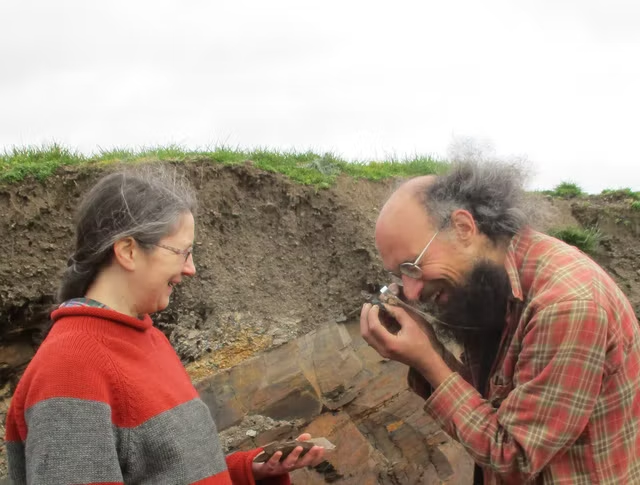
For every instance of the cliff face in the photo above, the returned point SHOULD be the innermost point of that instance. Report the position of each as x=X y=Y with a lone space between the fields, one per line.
x=274 y=259
x=281 y=268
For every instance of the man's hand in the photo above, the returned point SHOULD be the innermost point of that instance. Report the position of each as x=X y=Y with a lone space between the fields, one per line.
x=410 y=345
x=274 y=467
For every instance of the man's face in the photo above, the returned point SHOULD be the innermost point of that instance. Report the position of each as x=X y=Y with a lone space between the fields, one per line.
x=458 y=284
x=402 y=233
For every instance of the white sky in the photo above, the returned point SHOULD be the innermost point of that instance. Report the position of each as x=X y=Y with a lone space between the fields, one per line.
x=557 y=82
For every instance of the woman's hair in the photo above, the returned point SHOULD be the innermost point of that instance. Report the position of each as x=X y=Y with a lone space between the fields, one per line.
x=146 y=204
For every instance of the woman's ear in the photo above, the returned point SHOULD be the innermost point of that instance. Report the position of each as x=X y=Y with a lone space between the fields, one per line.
x=464 y=225
x=125 y=251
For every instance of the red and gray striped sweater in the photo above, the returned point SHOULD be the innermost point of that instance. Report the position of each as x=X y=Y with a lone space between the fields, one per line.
x=106 y=400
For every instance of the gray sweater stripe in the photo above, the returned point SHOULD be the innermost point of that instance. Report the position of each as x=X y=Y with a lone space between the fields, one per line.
x=179 y=446
x=70 y=441
x=15 y=456
x=74 y=441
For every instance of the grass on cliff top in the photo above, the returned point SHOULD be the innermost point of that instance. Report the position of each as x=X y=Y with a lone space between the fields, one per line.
x=587 y=240
x=621 y=194
x=565 y=190
x=304 y=167
x=570 y=190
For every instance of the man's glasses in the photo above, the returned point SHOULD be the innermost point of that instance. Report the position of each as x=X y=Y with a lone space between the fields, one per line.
x=183 y=252
x=412 y=270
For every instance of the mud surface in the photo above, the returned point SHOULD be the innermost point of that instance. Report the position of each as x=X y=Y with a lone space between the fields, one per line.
x=619 y=250
x=275 y=260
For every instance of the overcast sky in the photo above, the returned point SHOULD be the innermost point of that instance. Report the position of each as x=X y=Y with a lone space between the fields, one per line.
x=557 y=82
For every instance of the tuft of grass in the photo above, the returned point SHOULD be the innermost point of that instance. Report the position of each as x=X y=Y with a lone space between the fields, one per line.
x=635 y=205
x=39 y=162
x=415 y=166
x=620 y=194
x=567 y=190
x=546 y=192
x=587 y=240
x=308 y=167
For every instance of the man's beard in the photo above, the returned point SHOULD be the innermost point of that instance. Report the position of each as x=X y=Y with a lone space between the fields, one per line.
x=474 y=314
x=478 y=306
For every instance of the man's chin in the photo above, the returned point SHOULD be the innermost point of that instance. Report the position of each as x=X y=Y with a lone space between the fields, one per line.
x=444 y=331
x=452 y=340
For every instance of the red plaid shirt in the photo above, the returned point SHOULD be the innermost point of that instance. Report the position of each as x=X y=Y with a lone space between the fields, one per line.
x=563 y=401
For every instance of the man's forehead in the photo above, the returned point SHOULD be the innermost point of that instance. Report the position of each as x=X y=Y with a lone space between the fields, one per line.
x=402 y=212
x=401 y=232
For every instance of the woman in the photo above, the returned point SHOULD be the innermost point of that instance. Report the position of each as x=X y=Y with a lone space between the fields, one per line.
x=106 y=399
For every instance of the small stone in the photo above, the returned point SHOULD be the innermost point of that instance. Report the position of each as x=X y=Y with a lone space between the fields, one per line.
x=252 y=433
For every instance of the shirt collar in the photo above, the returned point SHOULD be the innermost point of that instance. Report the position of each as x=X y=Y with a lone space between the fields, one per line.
x=511 y=264
x=141 y=324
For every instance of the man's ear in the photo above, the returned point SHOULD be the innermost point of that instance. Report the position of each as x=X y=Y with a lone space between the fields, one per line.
x=125 y=251
x=464 y=225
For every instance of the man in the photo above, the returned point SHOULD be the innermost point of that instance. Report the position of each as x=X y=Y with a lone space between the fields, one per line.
x=548 y=390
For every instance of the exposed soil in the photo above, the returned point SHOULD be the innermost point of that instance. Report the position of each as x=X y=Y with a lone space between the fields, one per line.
x=619 y=251
x=275 y=260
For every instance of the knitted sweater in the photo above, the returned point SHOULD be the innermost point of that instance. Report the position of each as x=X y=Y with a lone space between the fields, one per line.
x=106 y=400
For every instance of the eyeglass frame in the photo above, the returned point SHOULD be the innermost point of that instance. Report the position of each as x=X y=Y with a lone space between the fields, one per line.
x=406 y=268
x=184 y=252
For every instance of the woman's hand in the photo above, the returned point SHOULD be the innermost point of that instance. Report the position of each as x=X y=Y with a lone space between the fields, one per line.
x=274 y=466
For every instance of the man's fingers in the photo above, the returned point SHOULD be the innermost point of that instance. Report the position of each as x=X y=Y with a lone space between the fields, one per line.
x=376 y=329
x=378 y=336
x=364 y=321
x=405 y=318
x=398 y=313
x=375 y=334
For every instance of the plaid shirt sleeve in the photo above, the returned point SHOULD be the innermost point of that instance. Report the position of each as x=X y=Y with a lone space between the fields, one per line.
x=556 y=383
x=418 y=384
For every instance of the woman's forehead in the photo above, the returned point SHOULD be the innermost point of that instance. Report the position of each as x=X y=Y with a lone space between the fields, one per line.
x=184 y=229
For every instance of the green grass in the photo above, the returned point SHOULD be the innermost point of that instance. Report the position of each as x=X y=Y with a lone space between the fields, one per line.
x=308 y=167
x=20 y=162
x=586 y=240
x=620 y=194
x=635 y=205
x=566 y=190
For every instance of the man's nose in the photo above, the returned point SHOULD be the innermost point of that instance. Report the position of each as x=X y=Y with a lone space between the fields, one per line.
x=412 y=288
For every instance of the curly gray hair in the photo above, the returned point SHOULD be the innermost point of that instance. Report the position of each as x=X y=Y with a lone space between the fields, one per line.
x=492 y=191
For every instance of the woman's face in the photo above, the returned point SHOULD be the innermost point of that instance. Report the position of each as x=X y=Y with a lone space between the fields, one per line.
x=162 y=268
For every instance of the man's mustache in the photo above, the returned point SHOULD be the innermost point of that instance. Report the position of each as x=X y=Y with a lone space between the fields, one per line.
x=426 y=311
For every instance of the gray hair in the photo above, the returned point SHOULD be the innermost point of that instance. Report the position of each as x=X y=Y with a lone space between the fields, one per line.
x=145 y=203
x=492 y=191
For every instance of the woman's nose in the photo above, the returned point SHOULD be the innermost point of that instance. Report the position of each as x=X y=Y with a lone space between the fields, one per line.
x=189 y=268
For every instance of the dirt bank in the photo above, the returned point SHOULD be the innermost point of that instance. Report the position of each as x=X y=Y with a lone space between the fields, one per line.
x=274 y=258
